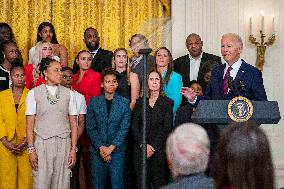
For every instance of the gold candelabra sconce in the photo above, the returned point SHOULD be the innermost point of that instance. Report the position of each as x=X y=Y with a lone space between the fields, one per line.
x=262 y=44
x=261 y=48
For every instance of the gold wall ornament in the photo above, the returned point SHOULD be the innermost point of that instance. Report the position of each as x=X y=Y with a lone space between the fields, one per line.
x=261 y=48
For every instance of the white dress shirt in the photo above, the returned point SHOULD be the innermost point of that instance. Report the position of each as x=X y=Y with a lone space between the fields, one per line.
x=80 y=103
x=194 y=66
x=235 y=68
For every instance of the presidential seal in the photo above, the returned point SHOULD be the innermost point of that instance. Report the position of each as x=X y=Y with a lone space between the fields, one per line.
x=240 y=109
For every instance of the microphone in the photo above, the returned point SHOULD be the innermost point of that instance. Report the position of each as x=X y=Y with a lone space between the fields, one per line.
x=241 y=86
x=145 y=51
x=232 y=86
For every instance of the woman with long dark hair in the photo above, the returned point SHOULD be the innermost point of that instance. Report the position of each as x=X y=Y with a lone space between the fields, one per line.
x=243 y=159
x=172 y=81
x=88 y=83
x=159 y=125
x=46 y=33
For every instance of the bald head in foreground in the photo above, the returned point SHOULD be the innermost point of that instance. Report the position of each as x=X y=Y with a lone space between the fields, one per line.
x=188 y=150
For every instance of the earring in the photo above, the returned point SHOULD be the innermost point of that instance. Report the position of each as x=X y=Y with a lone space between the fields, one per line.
x=45 y=78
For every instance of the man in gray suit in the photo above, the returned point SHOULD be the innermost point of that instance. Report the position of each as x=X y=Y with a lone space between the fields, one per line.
x=188 y=150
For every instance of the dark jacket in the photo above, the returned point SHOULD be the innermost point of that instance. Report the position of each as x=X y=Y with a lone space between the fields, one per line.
x=182 y=66
x=248 y=81
x=159 y=123
x=196 y=181
x=105 y=128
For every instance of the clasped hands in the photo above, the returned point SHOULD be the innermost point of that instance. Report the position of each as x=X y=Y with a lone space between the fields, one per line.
x=105 y=152
x=14 y=147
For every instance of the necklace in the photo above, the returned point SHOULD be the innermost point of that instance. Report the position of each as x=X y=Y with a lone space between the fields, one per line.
x=52 y=99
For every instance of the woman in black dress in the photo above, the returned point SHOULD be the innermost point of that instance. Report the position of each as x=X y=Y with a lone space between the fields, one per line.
x=128 y=82
x=159 y=125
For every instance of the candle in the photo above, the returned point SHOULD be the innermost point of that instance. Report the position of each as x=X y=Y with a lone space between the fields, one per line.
x=250 y=24
x=273 y=25
x=262 y=21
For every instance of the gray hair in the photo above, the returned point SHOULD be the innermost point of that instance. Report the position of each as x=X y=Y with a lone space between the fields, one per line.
x=236 y=37
x=188 y=149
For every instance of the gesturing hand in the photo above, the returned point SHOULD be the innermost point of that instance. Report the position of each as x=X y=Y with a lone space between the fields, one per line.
x=150 y=150
x=188 y=93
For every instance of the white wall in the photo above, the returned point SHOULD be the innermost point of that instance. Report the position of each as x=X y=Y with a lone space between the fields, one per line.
x=211 y=19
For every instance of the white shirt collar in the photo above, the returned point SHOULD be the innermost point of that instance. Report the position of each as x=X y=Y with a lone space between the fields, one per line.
x=236 y=66
x=198 y=59
x=95 y=51
x=138 y=59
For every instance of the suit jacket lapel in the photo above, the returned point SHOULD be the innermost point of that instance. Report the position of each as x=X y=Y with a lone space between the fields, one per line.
x=203 y=59
x=186 y=66
x=221 y=79
x=114 y=104
x=11 y=97
x=97 y=55
x=241 y=72
x=103 y=110
x=239 y=76
x=23 y=97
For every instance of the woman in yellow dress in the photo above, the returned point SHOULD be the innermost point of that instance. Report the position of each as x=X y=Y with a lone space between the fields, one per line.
x=15 y=170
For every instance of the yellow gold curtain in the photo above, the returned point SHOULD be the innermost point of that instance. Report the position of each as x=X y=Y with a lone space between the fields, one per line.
x=115 y=20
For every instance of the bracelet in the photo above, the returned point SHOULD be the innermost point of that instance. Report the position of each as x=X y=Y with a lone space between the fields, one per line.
x=31 y=149
x=30 y=145
x=75 y=148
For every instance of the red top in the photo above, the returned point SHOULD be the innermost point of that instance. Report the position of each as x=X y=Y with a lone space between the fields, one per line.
x=89 y=86
x=30 y=83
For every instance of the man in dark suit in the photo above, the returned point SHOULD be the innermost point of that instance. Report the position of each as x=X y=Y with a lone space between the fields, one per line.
x=233 y=78
x=189 y=66
x=101 y=58
x=187 y=154
x=137 y=42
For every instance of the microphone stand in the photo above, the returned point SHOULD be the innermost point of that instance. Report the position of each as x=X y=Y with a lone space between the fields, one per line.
x=145 y=53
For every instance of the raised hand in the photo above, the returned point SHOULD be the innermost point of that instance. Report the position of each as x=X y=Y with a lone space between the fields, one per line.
x=188 y=93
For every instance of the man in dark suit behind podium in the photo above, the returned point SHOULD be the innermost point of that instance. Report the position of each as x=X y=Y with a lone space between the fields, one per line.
x=189 y=66
x=235 y=77
x=101 y=58
x=246 y=81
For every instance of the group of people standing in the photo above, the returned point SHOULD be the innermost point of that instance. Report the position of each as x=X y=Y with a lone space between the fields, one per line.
x=57 y=118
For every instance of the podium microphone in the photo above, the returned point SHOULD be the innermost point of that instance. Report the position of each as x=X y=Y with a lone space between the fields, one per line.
x=232 y=86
